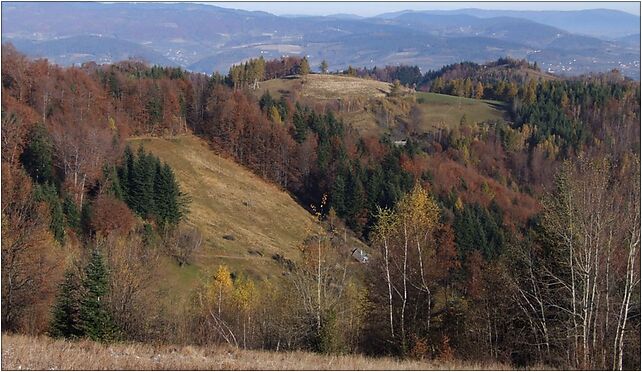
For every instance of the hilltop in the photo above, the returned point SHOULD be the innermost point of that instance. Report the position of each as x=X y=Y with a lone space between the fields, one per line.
x=325 y=87
x=366 y=104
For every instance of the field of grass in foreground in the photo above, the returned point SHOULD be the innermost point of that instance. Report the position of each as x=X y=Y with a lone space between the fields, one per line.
x=444 y=111
x=42 y=353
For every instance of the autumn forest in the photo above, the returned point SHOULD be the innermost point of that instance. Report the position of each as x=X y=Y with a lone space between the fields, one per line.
x=512 y=240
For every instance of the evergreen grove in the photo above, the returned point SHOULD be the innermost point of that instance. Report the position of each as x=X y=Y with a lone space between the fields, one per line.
x=81 y=309
x=149 y=188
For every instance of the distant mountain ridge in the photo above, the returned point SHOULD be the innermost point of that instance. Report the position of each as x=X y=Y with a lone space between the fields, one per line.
x=604 y=23
x=207 y=38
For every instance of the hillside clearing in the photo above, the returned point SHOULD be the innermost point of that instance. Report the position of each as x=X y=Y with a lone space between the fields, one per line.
x=444 y=111
x=234 y=211
x=42 y=353
x=325 y=87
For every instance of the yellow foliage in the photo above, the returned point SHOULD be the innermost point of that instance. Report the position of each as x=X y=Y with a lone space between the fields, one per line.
x=459 y=205
x=275 y=116
x=221 y=282
x=420 y=208
x=245 y=295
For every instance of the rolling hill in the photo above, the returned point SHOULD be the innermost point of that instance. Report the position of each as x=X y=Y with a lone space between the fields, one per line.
x=207 y=38
x=364 y=104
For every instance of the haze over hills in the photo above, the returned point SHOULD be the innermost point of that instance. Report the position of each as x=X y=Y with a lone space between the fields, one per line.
x=601 y=23
x=206 y=38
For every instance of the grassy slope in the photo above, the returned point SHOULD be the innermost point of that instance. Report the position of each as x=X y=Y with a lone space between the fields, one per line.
x=325 y=87
x=227 y=199
x=42 y=353
x=437 y=110
x=357 y=96
x=444 y=111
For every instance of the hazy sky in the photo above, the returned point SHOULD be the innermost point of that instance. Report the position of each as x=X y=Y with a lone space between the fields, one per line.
x=372 y=8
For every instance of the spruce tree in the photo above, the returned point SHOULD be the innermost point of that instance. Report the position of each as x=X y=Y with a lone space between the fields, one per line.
x=66 y=312
x=300 y=126
x=338 y=196
x=47 y=193
x=125 y=174
x=165 y=196
x=37 y=156
x=140 y=194
x=95 y=320
x=72 y=217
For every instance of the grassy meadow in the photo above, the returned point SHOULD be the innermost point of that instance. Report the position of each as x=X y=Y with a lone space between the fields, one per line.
x=444 y=111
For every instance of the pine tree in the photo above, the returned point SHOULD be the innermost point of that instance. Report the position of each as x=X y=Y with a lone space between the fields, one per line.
x=95 y=320
x=141 y=198
x=72 y=217
x=338 y=196
x=66 y=312
x=37 y=156
x=266 y=101
x=49 y=194
x=300 y=126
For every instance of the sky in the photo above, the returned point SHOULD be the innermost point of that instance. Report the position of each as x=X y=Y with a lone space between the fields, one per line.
x=373 y=8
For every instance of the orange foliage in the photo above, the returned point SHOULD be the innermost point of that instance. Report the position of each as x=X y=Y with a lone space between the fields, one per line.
x=476 y=188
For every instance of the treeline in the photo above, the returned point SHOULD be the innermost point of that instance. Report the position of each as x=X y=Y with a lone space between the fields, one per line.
x=251 y=72
x=507 y=69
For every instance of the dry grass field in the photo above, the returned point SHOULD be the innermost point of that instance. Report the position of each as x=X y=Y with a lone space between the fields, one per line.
x=325 y=87
x=234 y=211
x=42 y=353
x=354 y=100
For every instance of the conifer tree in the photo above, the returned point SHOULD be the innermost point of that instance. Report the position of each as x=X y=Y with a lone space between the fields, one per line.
x=66 y=312
x=300 y=126
x=72 y=217
x=338 y=196
x=95 y=321
x=37 y=156
x=141 y=198
x=49 y=194
x=167 y=197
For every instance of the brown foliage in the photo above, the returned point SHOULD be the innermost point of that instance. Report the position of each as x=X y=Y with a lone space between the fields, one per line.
x=111 y=215
x=31 y=261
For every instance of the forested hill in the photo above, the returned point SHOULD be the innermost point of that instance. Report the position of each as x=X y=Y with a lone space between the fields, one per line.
x=448 y=224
